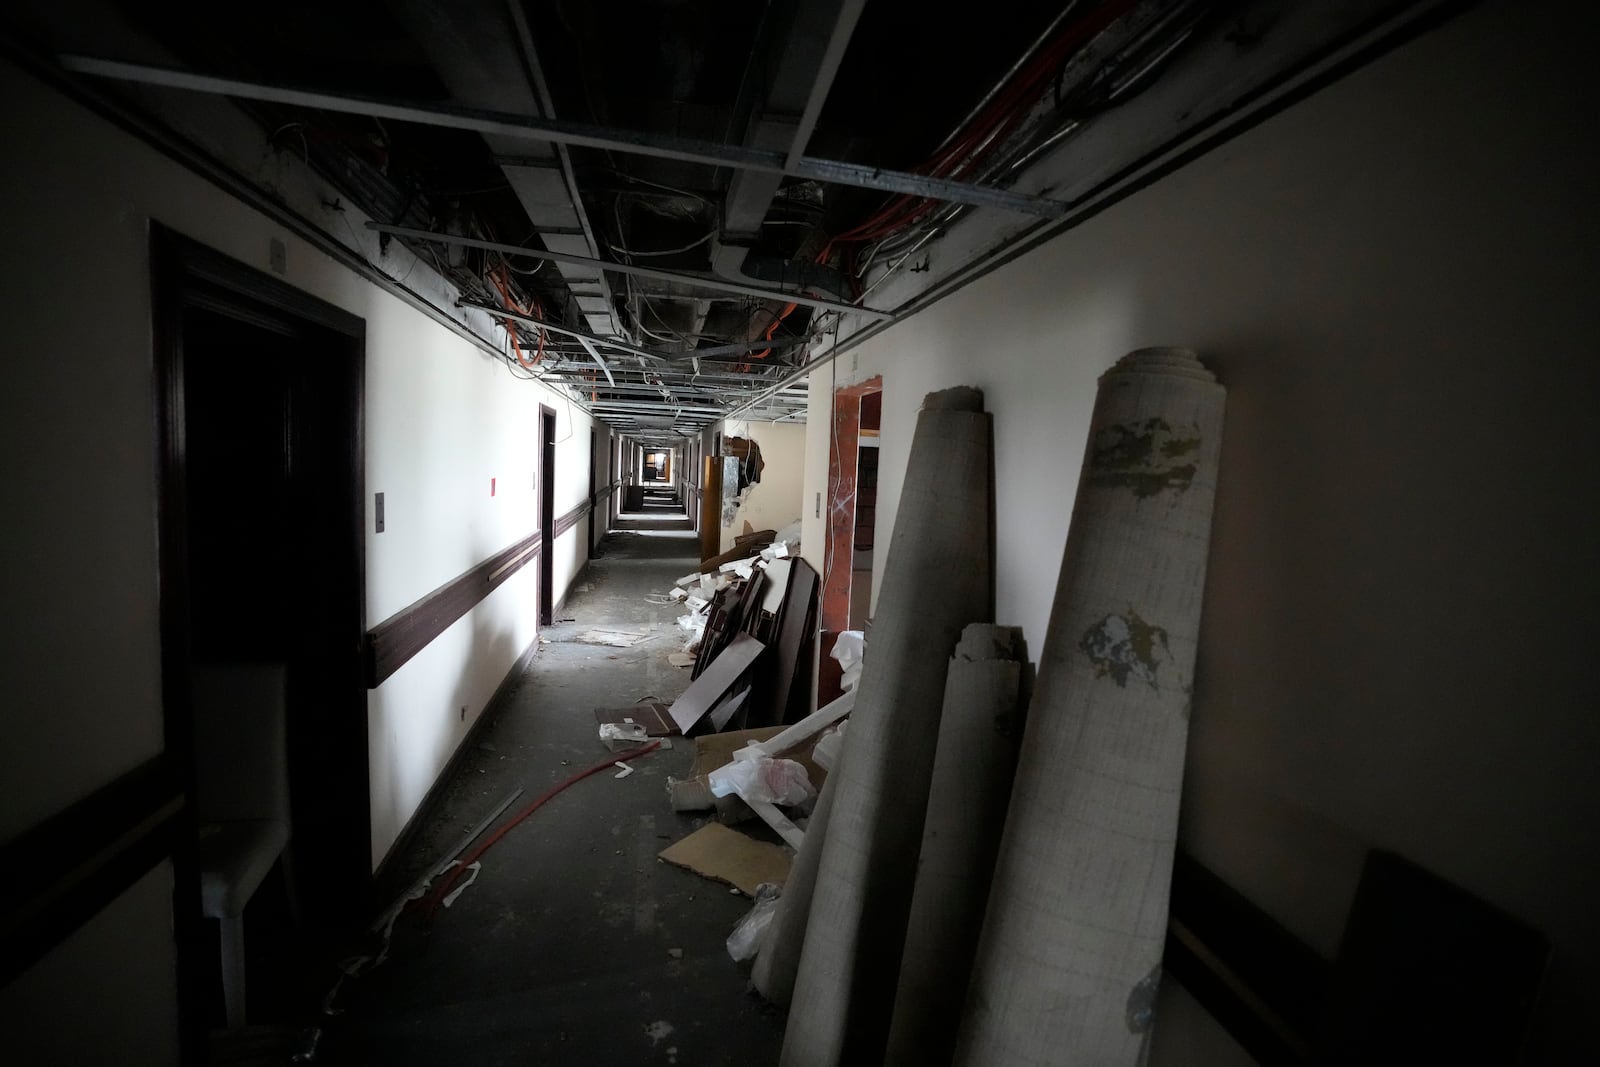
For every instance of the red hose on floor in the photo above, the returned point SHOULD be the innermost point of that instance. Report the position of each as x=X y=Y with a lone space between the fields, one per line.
x=431 y=903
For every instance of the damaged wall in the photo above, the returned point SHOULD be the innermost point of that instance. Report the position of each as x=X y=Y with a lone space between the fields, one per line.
x=83 y=675
x=1392 y=278
x=774 y=501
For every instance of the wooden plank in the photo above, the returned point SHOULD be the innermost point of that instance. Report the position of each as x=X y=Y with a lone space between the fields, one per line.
x=721 y=676
x=392 y=642
x=797 y=614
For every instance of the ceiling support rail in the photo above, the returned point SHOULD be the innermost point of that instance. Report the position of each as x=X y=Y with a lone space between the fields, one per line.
x=696 y=280
x=580 y=134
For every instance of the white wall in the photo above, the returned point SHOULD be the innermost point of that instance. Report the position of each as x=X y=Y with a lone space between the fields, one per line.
x=81 y=678
x=774 y=501
x=1395 y=280
x=108 y=993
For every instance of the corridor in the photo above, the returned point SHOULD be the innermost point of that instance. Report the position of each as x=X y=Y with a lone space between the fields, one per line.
x=575 y=945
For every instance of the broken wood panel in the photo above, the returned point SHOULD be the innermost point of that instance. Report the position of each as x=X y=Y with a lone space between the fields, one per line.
x=721 y=676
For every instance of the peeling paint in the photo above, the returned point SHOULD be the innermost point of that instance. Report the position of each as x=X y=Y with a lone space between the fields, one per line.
x=1141 y=1010
x=1141 y=456
x=1124 y=645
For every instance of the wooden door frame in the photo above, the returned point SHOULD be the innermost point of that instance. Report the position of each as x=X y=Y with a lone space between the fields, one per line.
x=838 y=526
x=547 y=513
x=594 y=447
x=187 y=275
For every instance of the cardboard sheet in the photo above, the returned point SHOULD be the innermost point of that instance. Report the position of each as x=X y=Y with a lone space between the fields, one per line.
x=725 y=855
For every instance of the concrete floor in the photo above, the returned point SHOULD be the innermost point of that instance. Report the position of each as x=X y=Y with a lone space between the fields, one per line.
x=575 y=945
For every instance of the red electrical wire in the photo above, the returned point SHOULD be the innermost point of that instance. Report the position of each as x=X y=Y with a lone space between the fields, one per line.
x=431 y=903
x=502 y=281
x=987 y=130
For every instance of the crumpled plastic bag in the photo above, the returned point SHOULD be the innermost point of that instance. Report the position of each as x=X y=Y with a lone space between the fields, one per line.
x=849 y=650
x=776 y=781
x=751 y=931
x=623 y=734
x=825 y=753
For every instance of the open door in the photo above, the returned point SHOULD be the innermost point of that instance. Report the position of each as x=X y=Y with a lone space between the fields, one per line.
x=262 y=618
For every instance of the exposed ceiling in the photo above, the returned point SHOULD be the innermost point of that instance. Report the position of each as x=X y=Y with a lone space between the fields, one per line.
x=670 y=205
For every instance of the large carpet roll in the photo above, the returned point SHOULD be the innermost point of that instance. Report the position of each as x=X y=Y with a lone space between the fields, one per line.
x=938 y=577
x=979 y=733
x=1069 y=960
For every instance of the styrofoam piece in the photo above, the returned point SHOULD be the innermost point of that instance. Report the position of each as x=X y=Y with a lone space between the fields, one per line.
x=938 y=579
x=678 y=593
x=979 y=734
x=732 y=565
x=814 y=723
x=1068 y=975
x=688 y=579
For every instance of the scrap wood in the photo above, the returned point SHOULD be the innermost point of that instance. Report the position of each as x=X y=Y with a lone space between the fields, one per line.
x=721 y=676
x=739 y=551
x=716 y=852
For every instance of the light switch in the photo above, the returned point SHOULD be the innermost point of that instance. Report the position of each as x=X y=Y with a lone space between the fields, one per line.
x=277 y=256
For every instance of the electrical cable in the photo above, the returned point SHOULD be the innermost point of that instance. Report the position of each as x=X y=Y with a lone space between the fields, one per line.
x=431 y=901
x=696 y=243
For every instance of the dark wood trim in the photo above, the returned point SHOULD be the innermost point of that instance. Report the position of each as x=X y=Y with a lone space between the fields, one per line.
x=392 y=642
x=548 y=452
x=64 y=871
x=567 y=520
x=1259 y=981
x=388 y=875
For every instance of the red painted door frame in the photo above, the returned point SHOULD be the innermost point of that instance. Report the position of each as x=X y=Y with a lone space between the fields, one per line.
x=841 y=511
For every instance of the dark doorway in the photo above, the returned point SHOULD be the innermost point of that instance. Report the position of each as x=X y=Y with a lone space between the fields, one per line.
x=547 y=513
x=594 y=520
x=262 y=569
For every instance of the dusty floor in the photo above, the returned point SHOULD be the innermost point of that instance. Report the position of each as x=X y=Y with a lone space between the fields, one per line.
x=575 y=945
